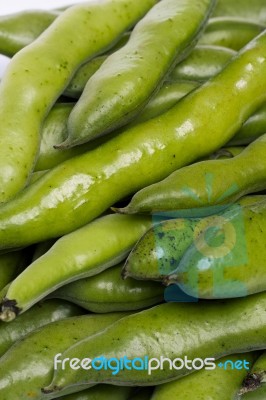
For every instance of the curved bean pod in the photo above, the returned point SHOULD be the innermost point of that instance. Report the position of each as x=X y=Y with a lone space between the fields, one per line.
x=24 y=372
x=233 y=33
x=230 y=267
x=27 y=91
x=255 y=10
x=54 y=129
x=206 y=183
x=159 y=251
x=203 y=63
x=83 y=253
x=219 y=384
x=41 y=314
x=82 y=188
x=108 y=292
x=123 y=85
x=20 y=29
x=166 y=330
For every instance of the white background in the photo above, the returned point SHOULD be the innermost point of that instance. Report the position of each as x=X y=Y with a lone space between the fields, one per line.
x=11 y=6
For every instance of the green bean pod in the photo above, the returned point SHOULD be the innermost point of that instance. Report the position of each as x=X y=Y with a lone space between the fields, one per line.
x=101 y=392
x=39 y=73
x=203 y=63
x=254 y=386
x=231 y=266
x=20 y=29
x=253 y=128
x=108 y=292
x=119 y=90
x=233 y=33
x=206 y=183
x=172 y=330
x=41 y=314
x=85 y=72
x=222 y=383
x=83 y=253
x=159 y=251
x=255 y=10
x=28 y=364
x=54 y=129
x=10 y=264
x=82 y=188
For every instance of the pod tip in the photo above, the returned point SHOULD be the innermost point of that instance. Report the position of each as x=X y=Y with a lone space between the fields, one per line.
x=123 y=210
x=50 y=389
x=62 y=146
x=251 y=383
x=8 y=310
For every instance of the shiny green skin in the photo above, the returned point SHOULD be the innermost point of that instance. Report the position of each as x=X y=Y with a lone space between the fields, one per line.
x=203 y=63
x=28 y=365
x=9 y=267
x=108 y=292
x=82 y=188
x=253 y=128
x=85 y=72
x=232 y=268
x=233 y=33
x=120 y=89
x=254 y=10
x=41 y=314
x=54 y=129
x=206 y=183
x=83 y=253
x=20 y=29
x=39 y=73
x=101 y=392
x=255 y=383
x=173 y=330
x=160 y=250
x=218 y=384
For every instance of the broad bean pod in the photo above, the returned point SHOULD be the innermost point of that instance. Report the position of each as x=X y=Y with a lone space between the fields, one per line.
x=20 y=29
x=255 y=10
x=159 y=251
x=41 y=314
x=206 y=183
x=27 y=92
x=82 y=188
x=222 y=383
x=234 y=267
x=122 y=86
x=167 y=331
x=233 y=33
x=108 y=292
x=24 y=372
x=83 y=253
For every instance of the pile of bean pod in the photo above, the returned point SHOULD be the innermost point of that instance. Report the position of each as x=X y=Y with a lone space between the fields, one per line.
x=133 y=204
